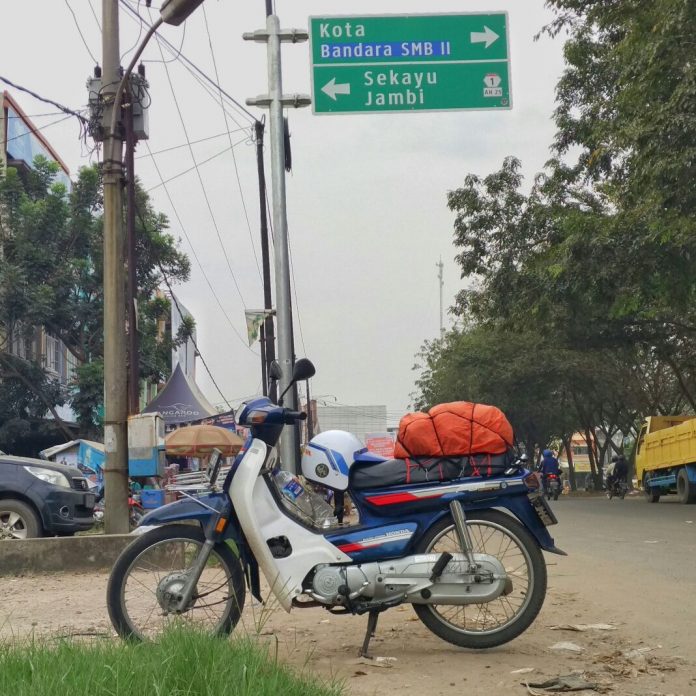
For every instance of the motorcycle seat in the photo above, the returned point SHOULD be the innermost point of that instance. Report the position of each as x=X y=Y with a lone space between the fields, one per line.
x=399 y=472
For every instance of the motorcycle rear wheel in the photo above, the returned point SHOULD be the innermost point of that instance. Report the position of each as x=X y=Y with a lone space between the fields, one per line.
x=152 y=569
x=481 y=626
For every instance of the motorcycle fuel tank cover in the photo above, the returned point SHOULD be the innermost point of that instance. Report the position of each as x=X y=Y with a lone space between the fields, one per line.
x=377 y=542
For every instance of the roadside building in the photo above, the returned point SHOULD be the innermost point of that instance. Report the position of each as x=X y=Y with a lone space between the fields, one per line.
x=580 y=454
x=20 y=142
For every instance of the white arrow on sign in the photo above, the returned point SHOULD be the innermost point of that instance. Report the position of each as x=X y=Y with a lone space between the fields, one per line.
x=331 y=89
x=487 y=36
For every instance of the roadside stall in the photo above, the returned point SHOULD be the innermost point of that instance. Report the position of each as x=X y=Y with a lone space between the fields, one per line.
x=200 y=442
x=87 y=455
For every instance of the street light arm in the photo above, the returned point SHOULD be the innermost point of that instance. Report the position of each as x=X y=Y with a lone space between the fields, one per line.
x=121 y=85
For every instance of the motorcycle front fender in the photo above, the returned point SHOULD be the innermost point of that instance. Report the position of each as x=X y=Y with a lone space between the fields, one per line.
x=204 y=509
x=201 y=509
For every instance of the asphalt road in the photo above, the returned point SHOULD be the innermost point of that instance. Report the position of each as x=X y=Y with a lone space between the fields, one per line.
x=632 y=559
x=632 y=533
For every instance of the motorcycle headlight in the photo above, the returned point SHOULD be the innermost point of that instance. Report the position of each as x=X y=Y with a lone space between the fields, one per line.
x=49 y=476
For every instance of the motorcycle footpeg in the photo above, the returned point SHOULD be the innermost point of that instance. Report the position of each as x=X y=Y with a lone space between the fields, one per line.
x=440 y=566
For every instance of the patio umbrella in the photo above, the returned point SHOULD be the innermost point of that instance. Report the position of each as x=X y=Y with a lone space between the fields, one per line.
x=201 y=440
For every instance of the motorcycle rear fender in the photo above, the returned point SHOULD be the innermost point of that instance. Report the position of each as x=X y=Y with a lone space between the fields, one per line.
x=520 y=507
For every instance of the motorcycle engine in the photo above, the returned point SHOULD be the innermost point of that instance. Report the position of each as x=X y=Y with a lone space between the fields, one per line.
x=328 y=579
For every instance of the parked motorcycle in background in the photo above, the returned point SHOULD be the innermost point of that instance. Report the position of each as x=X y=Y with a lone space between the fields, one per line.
x=464 y=549
x=136 y=511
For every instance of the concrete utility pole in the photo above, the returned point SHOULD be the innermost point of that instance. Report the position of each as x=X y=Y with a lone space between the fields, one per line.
x=115 y=395
x=275 y=101
x=115 y=384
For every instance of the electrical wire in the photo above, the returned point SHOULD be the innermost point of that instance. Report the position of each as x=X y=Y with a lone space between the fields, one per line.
x=211 y=93
x=46 y=114
x=190 y=169
x=176 y=53
x=192 y=66
x=79 y=31
x=94 y=14
x=294 y=289
x=172 y=50
x=64 y=109
x=200 y=179
x=234 y=158
x=40 y=128
x=193 y=142
x=137 y=41
x=191 y=338
x=292 y=269
x=195 y=255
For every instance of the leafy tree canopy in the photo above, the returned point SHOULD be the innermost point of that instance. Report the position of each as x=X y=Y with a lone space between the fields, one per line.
x=51 y=276
x=589 y=270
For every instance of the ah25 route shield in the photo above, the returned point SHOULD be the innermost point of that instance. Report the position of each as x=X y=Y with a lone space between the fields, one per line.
x=410 y=63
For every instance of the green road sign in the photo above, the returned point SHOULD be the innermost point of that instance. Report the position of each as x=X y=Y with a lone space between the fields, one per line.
x=410 y=63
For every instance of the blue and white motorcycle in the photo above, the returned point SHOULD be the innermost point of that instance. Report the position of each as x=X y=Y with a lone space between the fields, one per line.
x=465 y=551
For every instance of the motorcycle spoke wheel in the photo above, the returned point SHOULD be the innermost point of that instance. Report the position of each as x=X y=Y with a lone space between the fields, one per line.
x=142 y=591
x=496 y=622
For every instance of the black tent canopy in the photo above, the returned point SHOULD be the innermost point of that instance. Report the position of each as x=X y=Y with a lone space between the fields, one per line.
x=180 y=401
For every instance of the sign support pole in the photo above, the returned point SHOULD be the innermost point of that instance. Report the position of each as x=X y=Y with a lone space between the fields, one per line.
x=273 y=36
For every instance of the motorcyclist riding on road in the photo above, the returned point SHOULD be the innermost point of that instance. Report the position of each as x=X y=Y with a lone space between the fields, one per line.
x=618 y=471
x=549 y=465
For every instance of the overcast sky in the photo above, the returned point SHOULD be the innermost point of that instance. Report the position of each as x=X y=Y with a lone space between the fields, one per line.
x=367 y=210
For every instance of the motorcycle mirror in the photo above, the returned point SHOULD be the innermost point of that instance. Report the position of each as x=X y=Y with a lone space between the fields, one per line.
x=275 y=371
x=304 y=369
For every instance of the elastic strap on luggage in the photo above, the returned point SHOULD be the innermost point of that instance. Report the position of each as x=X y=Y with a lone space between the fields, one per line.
x=409 y=464
x=475 y=471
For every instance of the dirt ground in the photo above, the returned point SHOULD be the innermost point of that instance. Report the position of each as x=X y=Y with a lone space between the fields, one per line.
x=312 y=639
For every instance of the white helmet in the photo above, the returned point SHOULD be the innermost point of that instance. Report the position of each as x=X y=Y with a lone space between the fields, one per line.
x=327 y=458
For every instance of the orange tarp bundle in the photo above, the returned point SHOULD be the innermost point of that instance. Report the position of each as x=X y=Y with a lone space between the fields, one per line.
x=454 y=430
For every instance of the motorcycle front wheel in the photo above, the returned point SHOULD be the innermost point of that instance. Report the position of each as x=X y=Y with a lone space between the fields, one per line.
x=149 y=574
x=482 y=626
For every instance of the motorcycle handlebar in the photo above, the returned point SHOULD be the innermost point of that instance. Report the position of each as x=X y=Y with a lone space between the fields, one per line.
x=289 y=417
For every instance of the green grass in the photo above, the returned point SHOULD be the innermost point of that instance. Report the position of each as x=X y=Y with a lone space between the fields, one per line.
x=180 y=664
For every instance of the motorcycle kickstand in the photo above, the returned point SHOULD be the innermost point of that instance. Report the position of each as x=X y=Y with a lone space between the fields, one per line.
x=463 y=532
x=370 y=633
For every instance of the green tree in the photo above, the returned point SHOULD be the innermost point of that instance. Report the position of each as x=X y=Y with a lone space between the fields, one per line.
x=51 y=277
x=594 y=264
